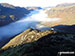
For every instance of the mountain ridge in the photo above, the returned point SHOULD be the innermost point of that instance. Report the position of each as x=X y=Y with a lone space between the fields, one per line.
x=65 y=4
x=10 y=13
x=49 y=44
x=65 y=14
x=31 y=35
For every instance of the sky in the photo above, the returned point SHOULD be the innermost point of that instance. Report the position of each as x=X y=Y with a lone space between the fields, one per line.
x=41 y=3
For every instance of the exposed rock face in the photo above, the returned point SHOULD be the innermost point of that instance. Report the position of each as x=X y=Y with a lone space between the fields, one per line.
x=10 y=13
x=48 y=44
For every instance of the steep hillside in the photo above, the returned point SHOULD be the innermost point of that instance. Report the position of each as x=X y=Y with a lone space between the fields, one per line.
x=48 y=45
x=10 y=13
x=66 y=13
x=27 y=36
x=31 y=35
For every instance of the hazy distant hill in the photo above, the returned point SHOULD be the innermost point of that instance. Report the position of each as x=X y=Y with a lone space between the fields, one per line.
x=66 y=13
x=10 y=13
x=33 y=8
x=65 y=4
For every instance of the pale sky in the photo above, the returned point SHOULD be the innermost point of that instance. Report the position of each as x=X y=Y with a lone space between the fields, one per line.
x=42 y=3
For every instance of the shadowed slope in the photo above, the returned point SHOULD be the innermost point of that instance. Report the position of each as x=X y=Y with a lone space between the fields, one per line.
x=10 y=13
x=49 y=45
x=27 y=36
x=31 y=35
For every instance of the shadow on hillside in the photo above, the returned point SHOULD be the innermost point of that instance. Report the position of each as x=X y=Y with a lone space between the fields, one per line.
x=12 y=14
x=48 y=45
x=5 y=41
x=65 y=28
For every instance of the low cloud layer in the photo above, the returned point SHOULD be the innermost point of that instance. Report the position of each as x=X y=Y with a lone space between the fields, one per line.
x=31 y=21
x=40 y=17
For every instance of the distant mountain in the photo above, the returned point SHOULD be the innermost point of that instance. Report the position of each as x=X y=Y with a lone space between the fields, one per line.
x=66 y=14
x=10 y=13
x=39 y=43
x=65 y=4
x=33 y=8
x=7 y=5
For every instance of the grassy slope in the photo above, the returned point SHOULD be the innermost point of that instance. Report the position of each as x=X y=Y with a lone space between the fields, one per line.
x=26 y=37
x=48 y=45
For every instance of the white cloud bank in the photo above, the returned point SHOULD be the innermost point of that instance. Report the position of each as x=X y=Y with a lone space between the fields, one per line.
x=42 y=3
x=39 y=17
